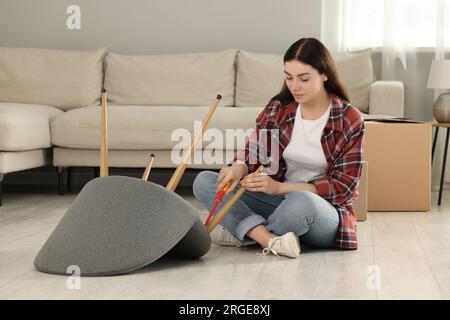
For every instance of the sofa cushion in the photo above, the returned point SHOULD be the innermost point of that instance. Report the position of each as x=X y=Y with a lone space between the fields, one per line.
x=63 y=79
x=66 y=157
x=25 y=126
x=260 y=77
x=177 y=79
x=146 y=128
x=356 y=71
x=23 y=160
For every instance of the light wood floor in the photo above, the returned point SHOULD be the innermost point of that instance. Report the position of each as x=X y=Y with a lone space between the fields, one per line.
x=401 y=255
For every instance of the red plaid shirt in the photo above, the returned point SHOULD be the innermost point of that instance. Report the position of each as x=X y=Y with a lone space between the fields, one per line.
x=342 y=145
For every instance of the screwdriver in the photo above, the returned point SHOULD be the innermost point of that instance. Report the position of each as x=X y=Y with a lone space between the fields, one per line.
x=217 y=200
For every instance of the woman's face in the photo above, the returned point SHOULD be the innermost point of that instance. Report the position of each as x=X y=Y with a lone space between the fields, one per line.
x=303 y=80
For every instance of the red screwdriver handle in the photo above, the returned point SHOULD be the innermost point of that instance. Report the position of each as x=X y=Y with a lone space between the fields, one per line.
x=217 y=200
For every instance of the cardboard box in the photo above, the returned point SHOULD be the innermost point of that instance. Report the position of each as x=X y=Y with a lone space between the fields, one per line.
x=398 y=152
x=360 y=205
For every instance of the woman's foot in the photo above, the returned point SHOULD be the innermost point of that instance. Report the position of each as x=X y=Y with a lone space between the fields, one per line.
x=223 y=237
x=287 y=245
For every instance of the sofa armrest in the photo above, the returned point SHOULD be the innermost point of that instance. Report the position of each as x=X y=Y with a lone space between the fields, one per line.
x=387 y=98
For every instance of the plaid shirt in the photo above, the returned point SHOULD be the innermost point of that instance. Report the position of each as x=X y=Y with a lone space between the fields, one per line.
x=342 y=145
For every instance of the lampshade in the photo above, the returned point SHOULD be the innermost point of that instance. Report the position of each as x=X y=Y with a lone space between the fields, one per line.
x=439 y=77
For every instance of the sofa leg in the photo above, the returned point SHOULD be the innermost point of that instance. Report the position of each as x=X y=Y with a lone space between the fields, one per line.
x=2 y=175
x=60 y=181
x=69 y=178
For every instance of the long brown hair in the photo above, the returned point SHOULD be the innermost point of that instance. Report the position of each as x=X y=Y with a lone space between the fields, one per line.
x=311 y=51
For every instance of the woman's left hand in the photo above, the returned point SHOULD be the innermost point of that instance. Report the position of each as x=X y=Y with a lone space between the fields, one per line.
x=261 y=182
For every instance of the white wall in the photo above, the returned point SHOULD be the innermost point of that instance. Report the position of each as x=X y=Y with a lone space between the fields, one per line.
x=160 y=26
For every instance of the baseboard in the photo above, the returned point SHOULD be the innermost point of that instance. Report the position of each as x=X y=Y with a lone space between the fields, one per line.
x=48 y=177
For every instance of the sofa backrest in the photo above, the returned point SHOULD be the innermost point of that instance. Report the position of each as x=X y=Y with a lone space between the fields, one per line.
x=72 y=79
x=59 y=78
x=176 y=79
x=260 y=77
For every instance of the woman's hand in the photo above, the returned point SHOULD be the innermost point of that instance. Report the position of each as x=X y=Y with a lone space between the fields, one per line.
x=227 y=174
x=261 y=182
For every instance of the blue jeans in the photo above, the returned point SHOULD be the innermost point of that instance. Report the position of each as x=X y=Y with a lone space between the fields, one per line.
x=302 y=212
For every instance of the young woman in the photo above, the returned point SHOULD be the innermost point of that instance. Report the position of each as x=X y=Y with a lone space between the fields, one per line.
x=311 y=195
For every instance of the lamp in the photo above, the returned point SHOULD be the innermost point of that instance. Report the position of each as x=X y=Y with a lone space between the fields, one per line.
x=439 y=78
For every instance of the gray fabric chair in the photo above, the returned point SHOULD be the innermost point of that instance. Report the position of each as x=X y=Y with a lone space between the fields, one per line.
x=120 y=224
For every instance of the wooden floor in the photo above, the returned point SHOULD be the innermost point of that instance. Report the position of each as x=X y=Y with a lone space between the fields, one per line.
x=401 y=255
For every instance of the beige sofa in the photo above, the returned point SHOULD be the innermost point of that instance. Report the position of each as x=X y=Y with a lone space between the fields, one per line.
x=50 y=114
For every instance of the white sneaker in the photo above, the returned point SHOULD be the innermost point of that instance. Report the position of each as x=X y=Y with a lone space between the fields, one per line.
x=223 y=237
x=286 y=245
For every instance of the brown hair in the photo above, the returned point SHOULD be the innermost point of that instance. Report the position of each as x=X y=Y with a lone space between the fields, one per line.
x=311 y=51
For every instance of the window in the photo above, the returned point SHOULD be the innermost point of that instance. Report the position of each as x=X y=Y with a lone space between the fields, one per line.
x=396 y=23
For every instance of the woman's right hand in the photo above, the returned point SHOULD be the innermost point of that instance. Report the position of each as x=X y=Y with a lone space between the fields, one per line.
x=233 y=173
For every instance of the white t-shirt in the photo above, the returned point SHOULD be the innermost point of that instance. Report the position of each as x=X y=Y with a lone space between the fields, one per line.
x=304 y=155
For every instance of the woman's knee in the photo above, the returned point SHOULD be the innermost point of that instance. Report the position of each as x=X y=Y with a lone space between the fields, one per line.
x=298 y=208
x=204 y=181
x=300 y=195
x=310 y=208
x=302 y=199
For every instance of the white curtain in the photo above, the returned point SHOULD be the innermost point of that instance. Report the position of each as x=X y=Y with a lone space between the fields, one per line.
x=442 y=35
x=397 y=28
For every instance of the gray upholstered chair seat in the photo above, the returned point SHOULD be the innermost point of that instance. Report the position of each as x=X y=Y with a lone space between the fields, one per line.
x=119 y=224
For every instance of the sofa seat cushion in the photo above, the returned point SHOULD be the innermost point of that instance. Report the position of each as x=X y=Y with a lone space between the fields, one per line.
x=12 y=161
x=25 y=126
x=150 y=128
